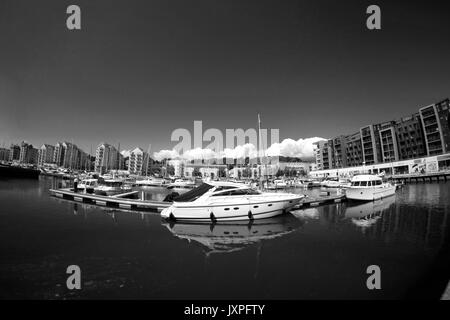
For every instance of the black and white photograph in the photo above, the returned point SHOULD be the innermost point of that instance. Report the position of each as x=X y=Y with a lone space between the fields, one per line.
x=223 y=155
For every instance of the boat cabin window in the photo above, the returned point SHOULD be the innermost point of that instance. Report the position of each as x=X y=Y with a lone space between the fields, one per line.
x=236 y=192
x=113 y=183
x=253 y=192
x=224 y=188
x=193 y=194
x=355 y=184
x=378 y=182
x=363 y=184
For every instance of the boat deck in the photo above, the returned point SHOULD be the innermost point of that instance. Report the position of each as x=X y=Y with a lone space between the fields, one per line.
x=119 y=201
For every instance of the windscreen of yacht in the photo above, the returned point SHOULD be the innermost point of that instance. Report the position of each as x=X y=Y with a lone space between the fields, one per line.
x=194 y=193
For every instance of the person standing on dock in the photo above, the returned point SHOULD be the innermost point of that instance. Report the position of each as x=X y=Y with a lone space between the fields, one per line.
x=75 y=184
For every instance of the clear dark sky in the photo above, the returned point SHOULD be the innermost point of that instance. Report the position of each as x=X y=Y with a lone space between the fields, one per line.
x=140 y=69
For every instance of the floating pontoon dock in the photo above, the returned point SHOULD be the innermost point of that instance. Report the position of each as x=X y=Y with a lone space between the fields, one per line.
x=122 y=200
x=321 y=200
x=118 y=201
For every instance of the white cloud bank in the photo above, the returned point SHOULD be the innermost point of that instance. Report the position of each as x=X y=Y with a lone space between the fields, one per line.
x=301 y=148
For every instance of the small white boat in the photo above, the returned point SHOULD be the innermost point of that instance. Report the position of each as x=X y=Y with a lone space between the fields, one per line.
x=111 y=187
x=307 y=183
x=227 y=201
x=88 y=185
x=368 y=188
x=330 y=183
x=181 y=184
x=344 y=183
x=277 y=184
x=150 y=182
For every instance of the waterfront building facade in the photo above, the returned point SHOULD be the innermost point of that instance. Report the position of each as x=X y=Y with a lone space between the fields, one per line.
x=68 y=155
x=107 y=157
x=319 y=146
x=436 y=127
x=283 y=168
x=425 y=133
x=178 y=167
x=353 y=150
x=46 y=154
x=4 y=154
x=410 y=137
x=138 y=162
x=424 y=165
x=14 y=152
x=28 y=154
x=212 y=171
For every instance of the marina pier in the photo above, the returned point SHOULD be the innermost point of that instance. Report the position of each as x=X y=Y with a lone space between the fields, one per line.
x=128 y=200
x=123 y=200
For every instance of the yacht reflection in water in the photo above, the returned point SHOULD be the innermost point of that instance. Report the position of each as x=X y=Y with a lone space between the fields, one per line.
x=233 y=236
x=367 y=214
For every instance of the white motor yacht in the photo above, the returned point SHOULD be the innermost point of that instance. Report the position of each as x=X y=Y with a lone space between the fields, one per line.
x=181 y=184
x=88 y=185
x=227 y=201
x=150 y=182
x=111 y=187
x=330 y=183
x=277 y=184
x=368 y=188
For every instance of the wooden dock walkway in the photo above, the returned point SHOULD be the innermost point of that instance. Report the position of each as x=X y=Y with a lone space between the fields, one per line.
x=321 y=200
x=121 y=201
x=117 y=201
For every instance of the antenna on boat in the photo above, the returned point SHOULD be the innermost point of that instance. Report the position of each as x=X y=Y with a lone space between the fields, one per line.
x=118 y=159
x=148 y=159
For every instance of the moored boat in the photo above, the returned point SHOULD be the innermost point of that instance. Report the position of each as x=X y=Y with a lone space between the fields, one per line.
x=181 y=184
x=18 y=172
x=226 y=201
x=150 y=182
x=111 y=187
x=368 y=188
x=277 y=184
x=330 y=183
x=88 y=185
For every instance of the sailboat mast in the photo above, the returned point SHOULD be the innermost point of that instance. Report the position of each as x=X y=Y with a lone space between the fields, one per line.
x=258 y=152
x=118 y=158
x=148 y=159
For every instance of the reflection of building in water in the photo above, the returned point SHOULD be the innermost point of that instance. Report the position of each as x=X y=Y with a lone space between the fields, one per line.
x=229 y=237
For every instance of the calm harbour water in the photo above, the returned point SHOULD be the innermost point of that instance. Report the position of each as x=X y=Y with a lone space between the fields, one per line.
x=317 y=253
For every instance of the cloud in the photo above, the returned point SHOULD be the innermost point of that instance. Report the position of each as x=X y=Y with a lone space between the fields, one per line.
x=246 y=150
x=166 y=154
x=199 y=153
x=125 y=153
x=301 y=148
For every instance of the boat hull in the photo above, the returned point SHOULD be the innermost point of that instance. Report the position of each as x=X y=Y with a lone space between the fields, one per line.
x=18 y=172
x=369 y=194
x=236 y=211
x=110 y=192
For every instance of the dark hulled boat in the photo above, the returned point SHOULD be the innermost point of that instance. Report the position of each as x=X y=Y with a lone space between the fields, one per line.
x=18 y=172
